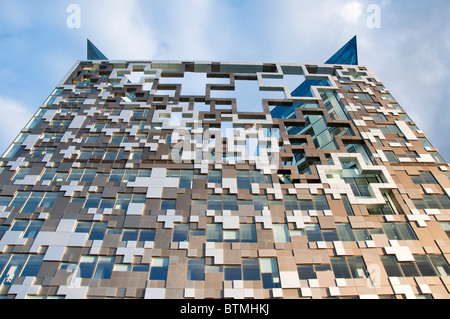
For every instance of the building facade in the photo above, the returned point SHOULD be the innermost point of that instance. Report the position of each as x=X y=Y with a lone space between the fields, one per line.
x=152 y=179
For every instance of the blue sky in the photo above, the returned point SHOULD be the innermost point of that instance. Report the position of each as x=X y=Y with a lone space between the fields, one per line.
x=409 y=52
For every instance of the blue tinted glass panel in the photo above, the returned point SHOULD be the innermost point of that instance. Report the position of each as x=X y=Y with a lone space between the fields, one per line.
x=32 y=266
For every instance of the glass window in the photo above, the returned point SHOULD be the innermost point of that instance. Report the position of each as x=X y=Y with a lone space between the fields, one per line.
x=340 y=267
x=330 y=235
x=116 y=175
x=138 y=198
x=214 y=202
x=391 y=156
x=33 y=228
x=444 y=201
x=19 y=225
x=12 y=270
x=431 y=201
x=320 y=202
x=3 y=229
x=214 y=233
x=121 y=267
x=197 y=232
x=232 y=273
x=243 y=180
x=144 y=173
x=345 y=232
x=136 y=154
x=98 y=231
x=4 y=200
x=290 y=202
x=230 y=202
x=180 y=233
x=409 y=269
x=48 y=200
x=32 y=266
x=306 y=272
x=130 y=235
x=306 y=205
x=260 y=202
x=391 y=231
x=269 y=273
x=48 y=174
x=281 y=233
x=428 y=178
x=362 y=234
x=250 y=269
x=168 y=204
x=391 y=266
x=420 y=204
x=424 y=265
x=313 y=232
x=88 y=175
x=406 y=231
x=215 y=177
x=60 y=177
x=86 y=266
x=196 y=269
x=19 y=199
x=32 y=202
x=357 y=267
x=441 y=264
x=129 y=175
x=347 y=205
x=92 y=201
x=186 y=178
x=75 y=174
x=122 y=202
x=231 y=236
x=107 y=203
x=437 y=157
x=110 y=155
x=3 y=261
x=248 y=233
x=83 y=227
x=257 y=177
x=172 y=173
x=446 y=227
x=213 y=269
x=140 y=268
x=104 y=268
x=147 y=235
x=158 y=268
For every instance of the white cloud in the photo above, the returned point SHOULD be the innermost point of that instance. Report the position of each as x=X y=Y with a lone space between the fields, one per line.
x=121 y=27
x=351 y=12
x=15 y=117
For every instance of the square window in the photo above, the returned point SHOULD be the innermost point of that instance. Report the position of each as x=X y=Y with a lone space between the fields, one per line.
x=180 y=233
x=147 y=235
x=130 y=235
x=196 y=269
x=168 y=204
x=250 y=269
x=158 y=268
x=232 y=273
x=306 y=272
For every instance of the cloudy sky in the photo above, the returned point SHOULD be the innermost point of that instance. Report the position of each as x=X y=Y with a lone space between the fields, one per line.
x=409 y=50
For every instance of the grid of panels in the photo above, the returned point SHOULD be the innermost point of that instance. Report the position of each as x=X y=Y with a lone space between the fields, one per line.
x=123 y=186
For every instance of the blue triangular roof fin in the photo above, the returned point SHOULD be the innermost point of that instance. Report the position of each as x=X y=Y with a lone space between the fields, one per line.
x=348 y=54
x=93 y=53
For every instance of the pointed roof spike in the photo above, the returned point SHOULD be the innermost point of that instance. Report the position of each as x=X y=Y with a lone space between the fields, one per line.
x=348 y=54
x=93 y=53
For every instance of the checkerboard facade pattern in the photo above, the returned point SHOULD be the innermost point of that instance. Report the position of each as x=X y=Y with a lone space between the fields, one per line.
x=123 y=186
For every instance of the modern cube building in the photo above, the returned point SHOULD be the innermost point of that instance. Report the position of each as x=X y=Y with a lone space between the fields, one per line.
x=199 y=179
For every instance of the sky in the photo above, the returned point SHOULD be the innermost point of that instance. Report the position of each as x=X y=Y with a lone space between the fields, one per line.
x=404 y=42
